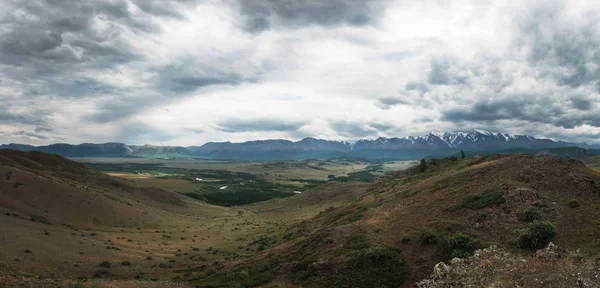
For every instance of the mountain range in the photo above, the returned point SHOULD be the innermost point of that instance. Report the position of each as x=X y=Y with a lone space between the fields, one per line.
x=410 y=147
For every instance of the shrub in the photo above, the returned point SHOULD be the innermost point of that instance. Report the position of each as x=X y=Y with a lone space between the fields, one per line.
x=358 y=242
x=536 y=235
x=149 y=258
x=105 y=264
x=428 y=236
x=375 y=267
x=480 y=201
x=422 y=166
x=101 y=273
x=460 y=245
x=574 y=203
x=531 y=214
x=406 y=238
x=126 y=263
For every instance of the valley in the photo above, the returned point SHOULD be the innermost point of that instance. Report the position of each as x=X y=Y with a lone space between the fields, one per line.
x=134 y=223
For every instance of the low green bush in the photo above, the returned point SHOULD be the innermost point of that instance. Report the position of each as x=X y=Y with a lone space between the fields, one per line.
x=574 y=203
x=536 y=235
x=406 y=238
x=428 y=236
x=358 y=242
x=531 y=214
x=480 y=201
x=374 y=267
x=460 y=245
x=105 y=264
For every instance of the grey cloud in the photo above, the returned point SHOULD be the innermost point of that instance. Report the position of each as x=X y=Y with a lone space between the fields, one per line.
x=36 y=117
x=355 y=130
x=382 y=126
x=137 y=132
x=254 y=125
x=423 y=119
x=386 y=103
x=191 y=83
x=582 y=104
x=443 y=71
x=172 y=84
x=526 y=108
x=564 y=51
x=25 y=134
x=42 y=129
x=417 y=86
x=262 y=15
x=163 y=8
x=195 y=130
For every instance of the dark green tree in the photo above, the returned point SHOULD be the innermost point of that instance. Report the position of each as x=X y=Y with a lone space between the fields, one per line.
x=462 y=154
x=423 y=165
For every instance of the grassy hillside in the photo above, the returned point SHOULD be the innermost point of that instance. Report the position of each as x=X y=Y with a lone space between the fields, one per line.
x=65 y=221
x=488 y=199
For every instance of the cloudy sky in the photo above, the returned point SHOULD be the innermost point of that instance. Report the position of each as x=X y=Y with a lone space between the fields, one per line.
x=186 y=72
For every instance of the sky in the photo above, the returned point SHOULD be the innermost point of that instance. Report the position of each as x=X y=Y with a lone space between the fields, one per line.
x=187 y=72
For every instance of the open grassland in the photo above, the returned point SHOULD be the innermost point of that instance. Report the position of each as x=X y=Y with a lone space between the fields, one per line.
x=229 y=183
x=305 y=170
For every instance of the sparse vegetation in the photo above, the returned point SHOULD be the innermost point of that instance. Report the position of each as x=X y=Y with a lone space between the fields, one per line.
x=536 y=235
x=574 y=203
x=576 y=255
x=480 y=201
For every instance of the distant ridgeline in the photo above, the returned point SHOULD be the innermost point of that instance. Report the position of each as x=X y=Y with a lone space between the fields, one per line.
x=434 y=144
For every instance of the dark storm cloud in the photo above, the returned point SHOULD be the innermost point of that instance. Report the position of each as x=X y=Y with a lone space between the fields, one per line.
x=526 y=108
x=266 y=14
x=254 y=125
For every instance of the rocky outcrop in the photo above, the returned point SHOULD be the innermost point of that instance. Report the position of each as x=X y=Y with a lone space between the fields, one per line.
x=495 y=267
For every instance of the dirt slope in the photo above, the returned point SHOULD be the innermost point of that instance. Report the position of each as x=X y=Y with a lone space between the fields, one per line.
x=53 y=189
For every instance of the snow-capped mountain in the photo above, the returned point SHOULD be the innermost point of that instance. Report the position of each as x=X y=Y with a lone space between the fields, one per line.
x=409 y=147
x=472 y=140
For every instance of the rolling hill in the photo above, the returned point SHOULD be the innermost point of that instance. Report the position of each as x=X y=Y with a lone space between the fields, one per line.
x=64 y=220
x=486 y=198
